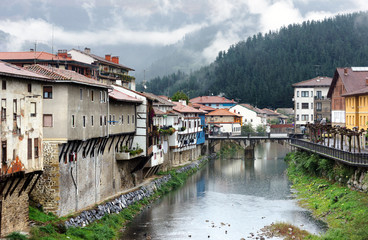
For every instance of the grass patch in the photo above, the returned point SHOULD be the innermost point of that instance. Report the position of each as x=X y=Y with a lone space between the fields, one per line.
x=344 y=210
x=285 y=230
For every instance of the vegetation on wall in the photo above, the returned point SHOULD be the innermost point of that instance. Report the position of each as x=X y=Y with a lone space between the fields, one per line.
x=344 y=210
x=261 y=69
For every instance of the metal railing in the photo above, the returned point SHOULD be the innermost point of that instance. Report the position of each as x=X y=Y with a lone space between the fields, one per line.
x=355 y=159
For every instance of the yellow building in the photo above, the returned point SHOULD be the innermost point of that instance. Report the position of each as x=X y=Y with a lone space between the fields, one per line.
x=356 y=107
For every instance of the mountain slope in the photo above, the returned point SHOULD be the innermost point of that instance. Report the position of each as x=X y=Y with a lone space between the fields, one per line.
x=261 y=69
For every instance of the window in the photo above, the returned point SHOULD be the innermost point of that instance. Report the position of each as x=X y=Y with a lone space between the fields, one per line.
x=4 y=156
x=113 y=119
x=15 y=107
x=304 y=105
x=305 y=94
x=305 y=117
x=105 y=96
x=29 y=148
x=128 y=119
x=36 y=151
x=92 y=121
x=122 y=118
x=318 y=106
x=47 y=92
x=92 y=95
x=297 y=117
x=84 y=121
x=81 y=94
x=101 y=96
x=319 y=94
x=33 y=109
x=73 y=121
x=311 y=117
x=133 y=119
x=29 y=87
x=297 y=93
x=311 y=105
x=3 y=109
x=101 y=121
x=297 y=105
x=311 y=93
x=105 y=120
x=110 y=119
x=47 y=120
x=3 y=85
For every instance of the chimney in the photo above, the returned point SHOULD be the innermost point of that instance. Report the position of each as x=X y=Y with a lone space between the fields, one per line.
x=108 y=57
x=115 y=59
x=87 y=50
x=184 y=102
x=345 y=71
x=62 y=53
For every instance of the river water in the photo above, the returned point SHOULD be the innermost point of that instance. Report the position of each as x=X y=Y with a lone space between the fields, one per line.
x=228 y=199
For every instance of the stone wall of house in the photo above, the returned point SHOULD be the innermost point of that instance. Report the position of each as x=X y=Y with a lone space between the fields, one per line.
x=47 y=189
x=14 y=210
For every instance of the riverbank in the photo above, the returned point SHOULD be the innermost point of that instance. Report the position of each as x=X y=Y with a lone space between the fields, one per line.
x=106 y=220
x=322 y=186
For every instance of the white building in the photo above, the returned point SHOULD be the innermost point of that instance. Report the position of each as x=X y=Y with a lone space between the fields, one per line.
x=250 y=114
x=305 y=95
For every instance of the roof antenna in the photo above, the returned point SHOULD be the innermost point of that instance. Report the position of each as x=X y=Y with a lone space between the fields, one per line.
x=34 y=53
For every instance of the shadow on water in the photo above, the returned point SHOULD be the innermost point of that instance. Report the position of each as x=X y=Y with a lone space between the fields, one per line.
x=228 y=199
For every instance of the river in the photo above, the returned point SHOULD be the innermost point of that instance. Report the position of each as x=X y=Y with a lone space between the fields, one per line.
x=229 y=198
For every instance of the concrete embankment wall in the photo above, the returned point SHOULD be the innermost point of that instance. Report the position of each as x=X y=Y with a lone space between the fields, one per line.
x=123 y=201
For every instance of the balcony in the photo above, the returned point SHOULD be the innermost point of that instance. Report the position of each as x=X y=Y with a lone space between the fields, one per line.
x=127 y=155
x=320 y=98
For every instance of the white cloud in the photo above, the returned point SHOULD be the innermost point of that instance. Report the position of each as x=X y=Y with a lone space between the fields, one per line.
x=41 y=31
x=221 y=42
x=281 y=13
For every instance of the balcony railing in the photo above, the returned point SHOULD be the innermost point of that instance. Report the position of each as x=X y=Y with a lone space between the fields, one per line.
x=355 y=159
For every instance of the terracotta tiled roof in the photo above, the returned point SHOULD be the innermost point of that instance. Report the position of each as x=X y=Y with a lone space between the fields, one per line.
x=185 y=108
x=353 y=80
x=8 y=69
x=315 y=82
x=158 y=111
x=101 y=59
x=159 y=100
x=31 y=55
x=211 y=99
x=250 y=107
x=63 y=75
x=270 y=112
x=203 y=107
x=222 y=112
x=119 y=96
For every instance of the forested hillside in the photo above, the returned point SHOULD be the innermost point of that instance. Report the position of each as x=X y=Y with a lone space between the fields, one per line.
x=261 y=69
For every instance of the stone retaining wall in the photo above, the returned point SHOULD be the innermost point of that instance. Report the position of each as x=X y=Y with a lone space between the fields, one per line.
x=125 y=200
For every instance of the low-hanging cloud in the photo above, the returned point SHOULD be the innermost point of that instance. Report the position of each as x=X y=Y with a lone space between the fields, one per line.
x=161 y=22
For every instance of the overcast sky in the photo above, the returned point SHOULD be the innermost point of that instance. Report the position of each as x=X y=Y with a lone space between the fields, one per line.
x=111 y=24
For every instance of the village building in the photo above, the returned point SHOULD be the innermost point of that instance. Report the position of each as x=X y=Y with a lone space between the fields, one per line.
x=187 y=124
x=62 y=60
x=109 y=69
x=145 y=138
x=214 y=101
x=21 y=143
x=250 y=115
x=229 y=122
x=356 y=106
x=345 y=81
x=310 y=98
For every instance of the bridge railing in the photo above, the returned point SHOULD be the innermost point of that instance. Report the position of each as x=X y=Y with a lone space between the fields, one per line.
x=356 y=159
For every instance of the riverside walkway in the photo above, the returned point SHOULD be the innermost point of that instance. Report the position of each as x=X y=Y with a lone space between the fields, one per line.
x=349 y=158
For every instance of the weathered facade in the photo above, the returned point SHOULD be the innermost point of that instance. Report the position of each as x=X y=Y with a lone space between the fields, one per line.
x=21 y=142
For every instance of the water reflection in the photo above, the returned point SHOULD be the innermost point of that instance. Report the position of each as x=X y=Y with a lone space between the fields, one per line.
x=228 y=199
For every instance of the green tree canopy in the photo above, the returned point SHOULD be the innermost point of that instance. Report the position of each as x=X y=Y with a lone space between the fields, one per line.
x=180 y=95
